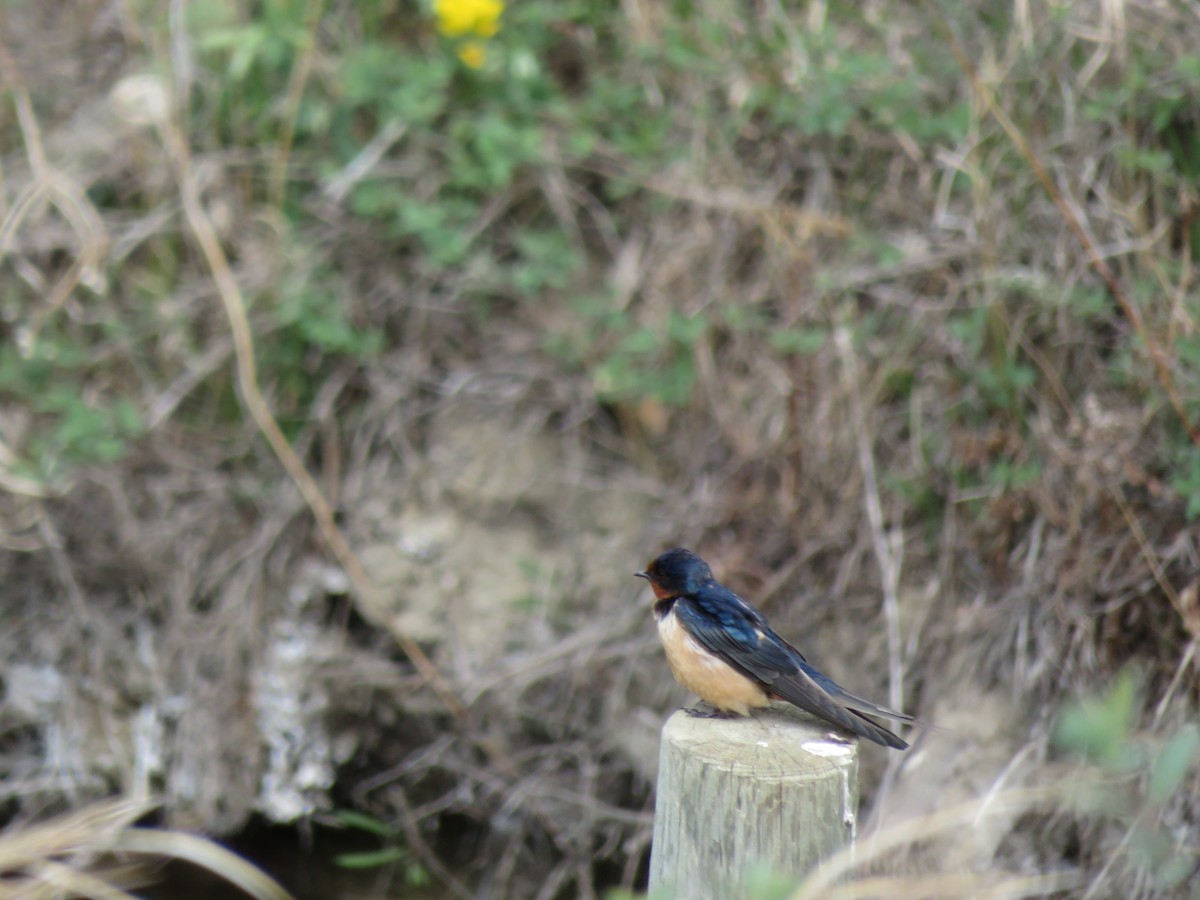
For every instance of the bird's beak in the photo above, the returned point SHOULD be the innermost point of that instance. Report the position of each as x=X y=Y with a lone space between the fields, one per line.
x=641 y=575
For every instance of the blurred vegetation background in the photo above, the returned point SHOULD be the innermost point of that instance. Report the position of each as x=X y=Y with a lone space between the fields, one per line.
x=356 y=352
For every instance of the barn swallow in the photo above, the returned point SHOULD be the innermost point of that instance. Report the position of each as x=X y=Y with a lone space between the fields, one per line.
x=721 y=647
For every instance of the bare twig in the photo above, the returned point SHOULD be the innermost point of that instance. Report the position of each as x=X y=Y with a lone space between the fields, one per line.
x=49 y=184
x=889 y=547
x=365 y=160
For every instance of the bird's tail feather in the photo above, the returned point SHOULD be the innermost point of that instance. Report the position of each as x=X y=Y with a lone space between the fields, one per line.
x=859 y=705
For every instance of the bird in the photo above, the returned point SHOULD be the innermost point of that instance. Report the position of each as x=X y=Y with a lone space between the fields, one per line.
x=722 y=648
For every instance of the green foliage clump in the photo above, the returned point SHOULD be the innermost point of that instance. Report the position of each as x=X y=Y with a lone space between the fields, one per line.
x=391 y=854
x=72 y=420
x=1140 y=777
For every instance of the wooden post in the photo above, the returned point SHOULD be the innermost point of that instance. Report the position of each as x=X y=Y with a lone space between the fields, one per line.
x=772 y=791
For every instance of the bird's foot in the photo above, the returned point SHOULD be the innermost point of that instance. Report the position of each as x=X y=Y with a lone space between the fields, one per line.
x=704 y=711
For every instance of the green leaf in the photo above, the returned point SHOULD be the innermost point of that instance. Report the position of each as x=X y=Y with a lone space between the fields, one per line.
x=800 y=341
x=686 y=330
x=1174 y=761
x=352 y=819
x=764 y=883
x=416 y=876
x=1100 y=727
x=1172 y=872
x=642 y=342
x=127 y=416
x=372 y=859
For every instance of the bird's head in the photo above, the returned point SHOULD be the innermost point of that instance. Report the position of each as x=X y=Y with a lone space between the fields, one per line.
x=676 y=572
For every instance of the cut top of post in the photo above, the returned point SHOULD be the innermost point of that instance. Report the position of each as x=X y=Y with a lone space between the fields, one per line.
x=774 y=791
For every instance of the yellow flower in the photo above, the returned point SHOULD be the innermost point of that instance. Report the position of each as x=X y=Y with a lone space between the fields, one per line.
x=457 y=18
x=471 y=53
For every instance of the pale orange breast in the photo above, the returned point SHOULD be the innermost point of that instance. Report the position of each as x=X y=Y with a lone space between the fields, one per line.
x=704 y=674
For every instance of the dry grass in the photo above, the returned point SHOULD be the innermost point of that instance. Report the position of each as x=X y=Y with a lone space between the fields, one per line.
x=93 y=853
x=172 y=624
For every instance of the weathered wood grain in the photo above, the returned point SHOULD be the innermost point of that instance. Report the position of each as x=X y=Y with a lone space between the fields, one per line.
x=774 y=790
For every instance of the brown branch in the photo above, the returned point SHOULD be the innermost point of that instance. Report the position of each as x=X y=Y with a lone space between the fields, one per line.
x=247 y=378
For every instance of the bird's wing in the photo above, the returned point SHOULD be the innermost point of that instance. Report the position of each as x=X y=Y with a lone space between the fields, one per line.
x=843 y=696
x=728 y=626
